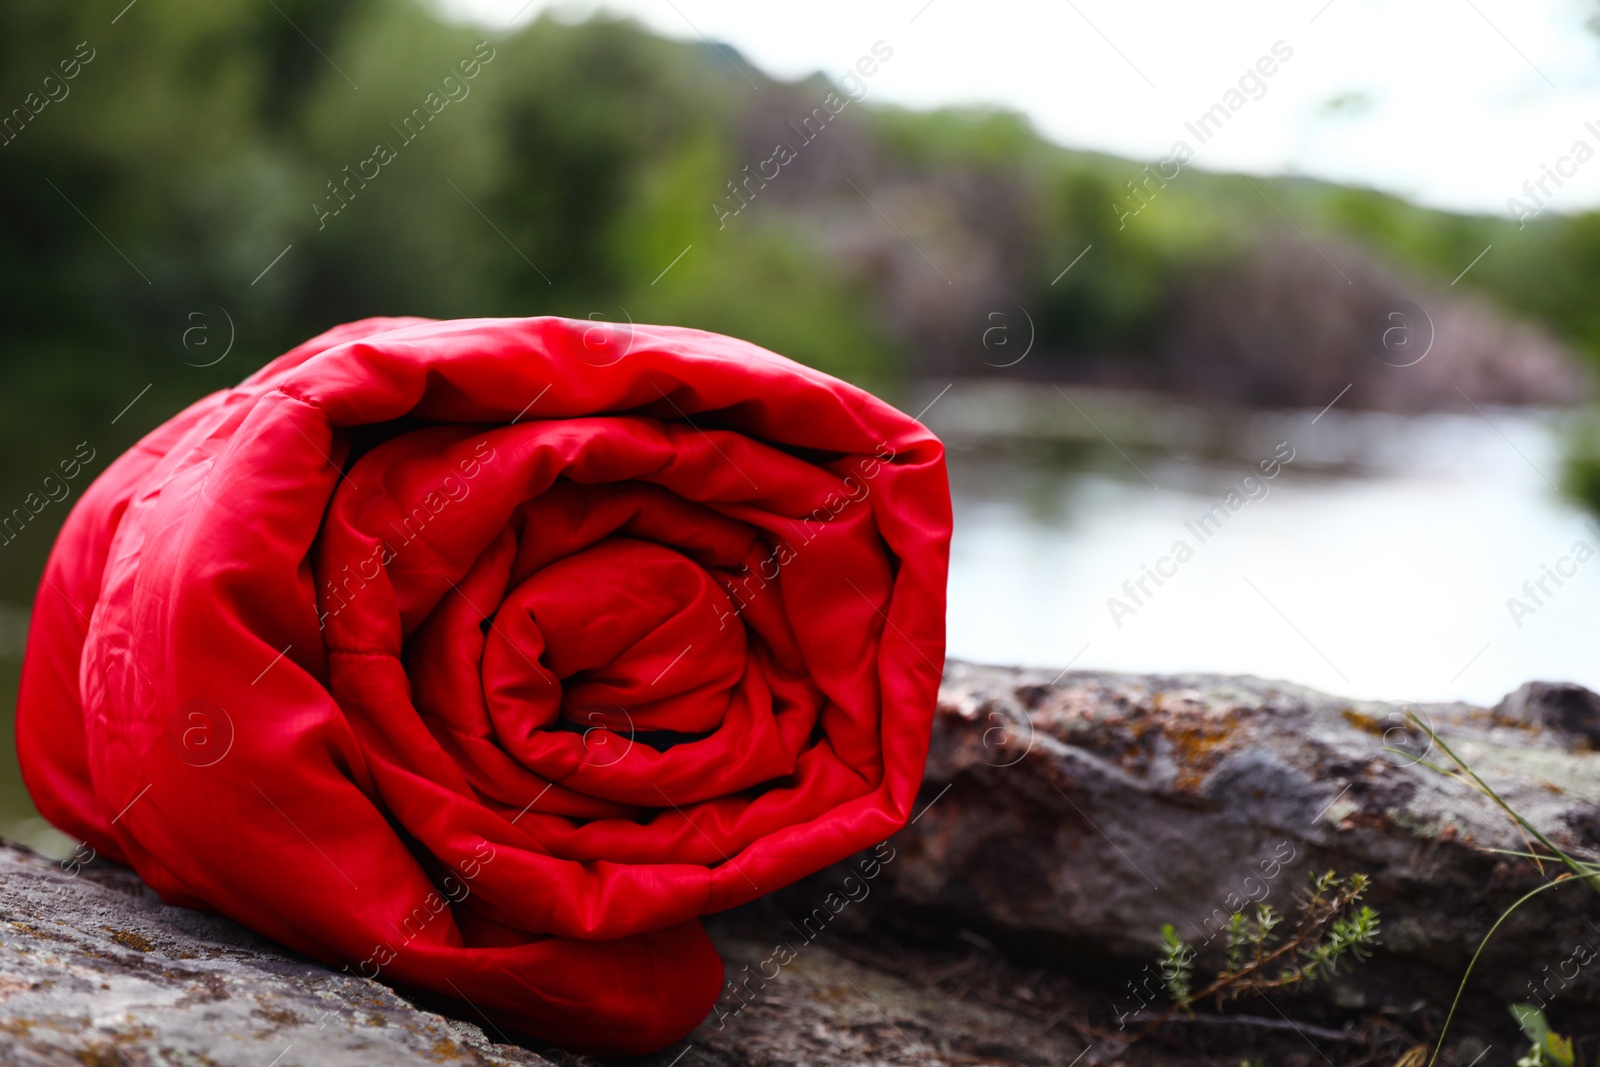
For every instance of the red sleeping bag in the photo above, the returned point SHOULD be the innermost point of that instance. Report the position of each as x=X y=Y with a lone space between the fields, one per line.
x=483 y=657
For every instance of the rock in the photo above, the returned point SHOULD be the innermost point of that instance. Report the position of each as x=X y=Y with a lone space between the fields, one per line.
x=1067 y=820
x=1358 y=322
x=1562 y=706
x=95 y=970
x=1062 y=822
x=826 y=1008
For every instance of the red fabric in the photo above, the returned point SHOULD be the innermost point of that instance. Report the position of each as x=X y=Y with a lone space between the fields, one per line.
x=486 y=656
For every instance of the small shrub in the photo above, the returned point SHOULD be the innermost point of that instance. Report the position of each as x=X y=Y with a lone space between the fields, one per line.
x=1333 y=930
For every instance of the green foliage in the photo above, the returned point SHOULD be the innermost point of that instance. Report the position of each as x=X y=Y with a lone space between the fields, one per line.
x=1580 y=473
x=1548 y=1049
x=961 y=137
x=1333 y=929
x=586 y=157
x=1177 y=965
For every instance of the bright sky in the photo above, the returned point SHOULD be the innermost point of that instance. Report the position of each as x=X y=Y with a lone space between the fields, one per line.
x=1453 y=103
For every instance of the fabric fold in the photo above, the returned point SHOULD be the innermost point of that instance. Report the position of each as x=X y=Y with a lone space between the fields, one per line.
x=484 y=657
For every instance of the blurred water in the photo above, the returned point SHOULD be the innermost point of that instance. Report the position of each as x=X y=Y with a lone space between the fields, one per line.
x=1378 y=563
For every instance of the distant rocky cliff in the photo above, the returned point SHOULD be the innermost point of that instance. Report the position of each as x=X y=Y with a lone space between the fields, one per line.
x=1292 y=324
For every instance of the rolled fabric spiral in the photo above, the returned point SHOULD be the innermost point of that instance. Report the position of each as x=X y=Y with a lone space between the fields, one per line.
x=484 y=657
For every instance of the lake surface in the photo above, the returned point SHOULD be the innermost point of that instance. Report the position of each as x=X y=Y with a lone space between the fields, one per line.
x=1376 y=562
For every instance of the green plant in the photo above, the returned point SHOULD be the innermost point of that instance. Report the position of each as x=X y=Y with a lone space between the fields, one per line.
x=1466 y=775
x=1580 y=474
x=1333 y=929
x=1177 y=964
x=1549 y=1049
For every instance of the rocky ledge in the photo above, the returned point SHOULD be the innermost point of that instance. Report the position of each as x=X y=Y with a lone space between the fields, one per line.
x=1070 y=820
x=1064 y=820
